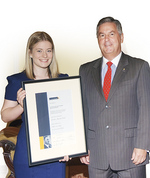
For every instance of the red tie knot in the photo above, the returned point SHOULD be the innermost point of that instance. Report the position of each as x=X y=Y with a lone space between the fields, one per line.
x=109 y=64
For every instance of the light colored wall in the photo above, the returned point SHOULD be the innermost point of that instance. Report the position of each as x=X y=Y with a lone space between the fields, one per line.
x=72 y=24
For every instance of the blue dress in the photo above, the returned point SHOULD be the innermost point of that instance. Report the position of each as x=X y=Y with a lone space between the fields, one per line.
x=22 y=169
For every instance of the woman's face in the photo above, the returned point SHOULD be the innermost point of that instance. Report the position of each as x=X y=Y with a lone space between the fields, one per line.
x=41 y=54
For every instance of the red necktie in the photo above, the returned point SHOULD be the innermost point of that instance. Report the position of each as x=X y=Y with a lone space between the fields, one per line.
x=107 y=81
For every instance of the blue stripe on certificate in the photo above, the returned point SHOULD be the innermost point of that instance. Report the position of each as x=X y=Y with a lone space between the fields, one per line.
x=42 y=114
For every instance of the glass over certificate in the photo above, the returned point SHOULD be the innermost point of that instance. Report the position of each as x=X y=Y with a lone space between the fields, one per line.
x=54 y=119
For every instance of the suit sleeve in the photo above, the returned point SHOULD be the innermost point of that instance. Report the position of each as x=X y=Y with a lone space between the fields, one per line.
x=82 y=73
x=143 y=99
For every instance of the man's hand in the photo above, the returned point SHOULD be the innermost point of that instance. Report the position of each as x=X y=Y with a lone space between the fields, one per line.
x=85 y=159
x=138 y=156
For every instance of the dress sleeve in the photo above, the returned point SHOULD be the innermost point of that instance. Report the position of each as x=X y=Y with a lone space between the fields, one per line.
x=63 y=75
x=12 y=88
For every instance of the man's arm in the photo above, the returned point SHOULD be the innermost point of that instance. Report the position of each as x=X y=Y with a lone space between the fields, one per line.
x=143 y=95
x=143 y=99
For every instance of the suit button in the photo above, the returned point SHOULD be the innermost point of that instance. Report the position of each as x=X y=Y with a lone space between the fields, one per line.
x=107 y=106
x=107 y=127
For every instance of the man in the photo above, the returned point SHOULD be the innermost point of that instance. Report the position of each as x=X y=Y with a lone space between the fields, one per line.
x=47 y=141
x=117 y=108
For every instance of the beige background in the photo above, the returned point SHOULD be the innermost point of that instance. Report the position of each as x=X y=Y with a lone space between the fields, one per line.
x=72 y=25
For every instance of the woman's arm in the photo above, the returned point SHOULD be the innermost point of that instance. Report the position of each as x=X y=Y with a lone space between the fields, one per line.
x=11 y=110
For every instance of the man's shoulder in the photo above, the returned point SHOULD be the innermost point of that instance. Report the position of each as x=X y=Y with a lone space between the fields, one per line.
x=91 y=63
x=133 y=59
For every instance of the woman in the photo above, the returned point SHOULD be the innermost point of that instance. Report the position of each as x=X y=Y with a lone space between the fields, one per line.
x=40 y=64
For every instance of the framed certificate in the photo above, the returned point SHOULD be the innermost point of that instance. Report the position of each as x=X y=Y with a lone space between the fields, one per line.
x=54 y=119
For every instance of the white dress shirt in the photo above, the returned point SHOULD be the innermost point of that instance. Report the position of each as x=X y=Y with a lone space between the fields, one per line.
x=115 y=62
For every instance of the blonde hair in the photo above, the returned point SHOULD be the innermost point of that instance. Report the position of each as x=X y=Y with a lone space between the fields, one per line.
x=33 y=39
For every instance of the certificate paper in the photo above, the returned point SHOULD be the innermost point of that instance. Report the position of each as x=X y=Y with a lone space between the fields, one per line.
x=54 y=119
x=60 y=117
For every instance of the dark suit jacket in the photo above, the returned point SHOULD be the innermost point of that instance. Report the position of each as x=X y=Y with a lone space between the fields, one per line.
x=116 y=127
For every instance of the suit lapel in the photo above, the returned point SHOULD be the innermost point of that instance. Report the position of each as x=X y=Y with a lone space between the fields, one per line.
x=119 y=75
x=96 y=73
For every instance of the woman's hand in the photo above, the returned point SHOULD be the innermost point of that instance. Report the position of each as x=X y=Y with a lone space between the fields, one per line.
x=20 y=96
x=66 y=158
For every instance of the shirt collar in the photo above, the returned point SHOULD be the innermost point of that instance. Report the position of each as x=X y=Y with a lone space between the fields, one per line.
x=115 y=61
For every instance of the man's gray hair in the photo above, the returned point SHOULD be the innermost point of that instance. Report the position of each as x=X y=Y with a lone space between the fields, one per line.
x=112 y=20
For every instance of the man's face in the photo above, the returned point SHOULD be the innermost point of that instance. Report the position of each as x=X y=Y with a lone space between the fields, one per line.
x=109 y=40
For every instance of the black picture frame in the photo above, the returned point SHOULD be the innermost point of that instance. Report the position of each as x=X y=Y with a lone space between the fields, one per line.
x=54 y=113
